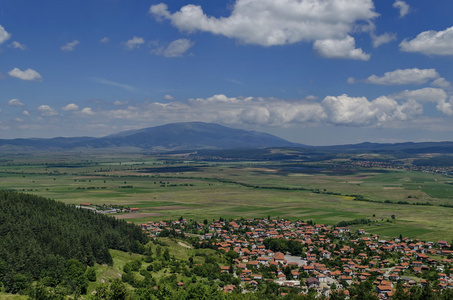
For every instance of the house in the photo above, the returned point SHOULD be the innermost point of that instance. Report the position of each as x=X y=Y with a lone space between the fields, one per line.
x=279 y=257
x=312 y=282
x=229 y=288
x=224 y=269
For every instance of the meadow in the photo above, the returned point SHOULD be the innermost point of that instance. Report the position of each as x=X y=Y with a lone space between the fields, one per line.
x=166 y=188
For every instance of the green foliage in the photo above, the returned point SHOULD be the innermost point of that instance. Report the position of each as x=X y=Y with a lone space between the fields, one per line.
x=116 y=290
x=354 y=222
x=49 y=241
x=91 y=274
x=282 y=245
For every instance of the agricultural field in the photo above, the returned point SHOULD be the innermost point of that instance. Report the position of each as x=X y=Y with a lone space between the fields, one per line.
x=168 y=187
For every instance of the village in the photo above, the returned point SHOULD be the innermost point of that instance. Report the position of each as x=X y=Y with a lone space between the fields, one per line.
x=316 y=257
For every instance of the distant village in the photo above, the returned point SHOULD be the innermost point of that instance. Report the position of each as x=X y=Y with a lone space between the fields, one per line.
x=325 y=258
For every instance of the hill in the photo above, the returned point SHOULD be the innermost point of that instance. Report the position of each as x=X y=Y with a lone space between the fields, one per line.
x=49 y=241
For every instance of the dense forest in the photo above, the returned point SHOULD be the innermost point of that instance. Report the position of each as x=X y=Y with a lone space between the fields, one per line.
x=49 y=241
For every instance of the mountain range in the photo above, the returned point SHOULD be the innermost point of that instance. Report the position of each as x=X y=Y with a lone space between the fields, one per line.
x=170 y=137
x=202 y=136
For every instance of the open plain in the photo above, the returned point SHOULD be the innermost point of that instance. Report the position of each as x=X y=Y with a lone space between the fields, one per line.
x=397 y=201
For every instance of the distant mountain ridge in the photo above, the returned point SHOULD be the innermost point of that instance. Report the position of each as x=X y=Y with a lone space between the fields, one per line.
x=175 y=136
x=204 y=136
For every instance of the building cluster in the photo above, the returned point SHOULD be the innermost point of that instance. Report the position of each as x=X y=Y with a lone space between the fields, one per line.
x=331 y=257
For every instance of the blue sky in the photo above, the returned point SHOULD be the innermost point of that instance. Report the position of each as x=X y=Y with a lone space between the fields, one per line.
x=318 y=72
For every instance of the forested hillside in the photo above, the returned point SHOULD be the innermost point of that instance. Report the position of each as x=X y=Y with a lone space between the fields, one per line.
x=47 y=240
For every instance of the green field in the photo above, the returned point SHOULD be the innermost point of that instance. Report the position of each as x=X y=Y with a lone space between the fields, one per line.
x=164 y=188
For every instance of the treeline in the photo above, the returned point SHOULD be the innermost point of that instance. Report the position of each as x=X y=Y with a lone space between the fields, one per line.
x=354 y=222
x=401 y=202
x=283 y=245
x=41 y=238
x=438 y=161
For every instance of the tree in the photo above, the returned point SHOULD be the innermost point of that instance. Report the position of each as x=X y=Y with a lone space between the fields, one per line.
x=400 y=294
x=118 y=290
x=75 y=278
x=91 y=274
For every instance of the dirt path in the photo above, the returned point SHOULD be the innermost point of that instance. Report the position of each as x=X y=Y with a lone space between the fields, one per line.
x=184 y=245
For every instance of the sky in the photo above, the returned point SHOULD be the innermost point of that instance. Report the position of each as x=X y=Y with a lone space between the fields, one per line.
x=317 y=72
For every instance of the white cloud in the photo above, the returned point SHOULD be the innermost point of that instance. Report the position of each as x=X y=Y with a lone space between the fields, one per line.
x=70 y=46
x=430 y=43
x=256 y=111
x=176 y=48
x=359 y=111
x=70 y=107
x=433 y=95
x=402 y=6
x=87 y=111
x=112 y=83
x=344 y=48
x=47 y=111
x=219 y=99
x=104 y=40
x=18 y=45
x=274 y=22
x=26 y=113
x=406 y=76
x=423 y=95
x=441 y=83
x=15 y=102
x=135 y=42
x=168 y=97
x=446 y=107
x=4 y=35
x=28 y=74
x=382 y=39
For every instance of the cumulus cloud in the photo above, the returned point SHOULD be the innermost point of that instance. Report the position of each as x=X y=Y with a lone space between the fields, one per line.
x=29 y=74
x=47 y=111
x=26 y=113
x=430 y=43
x=87 y=111
x=274 y=22
x=4 y=35
x=423 y=95
x=402 y=6
x=176 y=48
x=70 y=107
x=257 y=111
x=15 y=102
x=446 y=107
x=104 y=40
x=168 y=97
x=441 y=83
x=134 y=43
x=359 y=111
x=17 y=45
x=70 y=46
x=406 y=76
x=432 y=95
x=382 y=39
x=345 y=48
